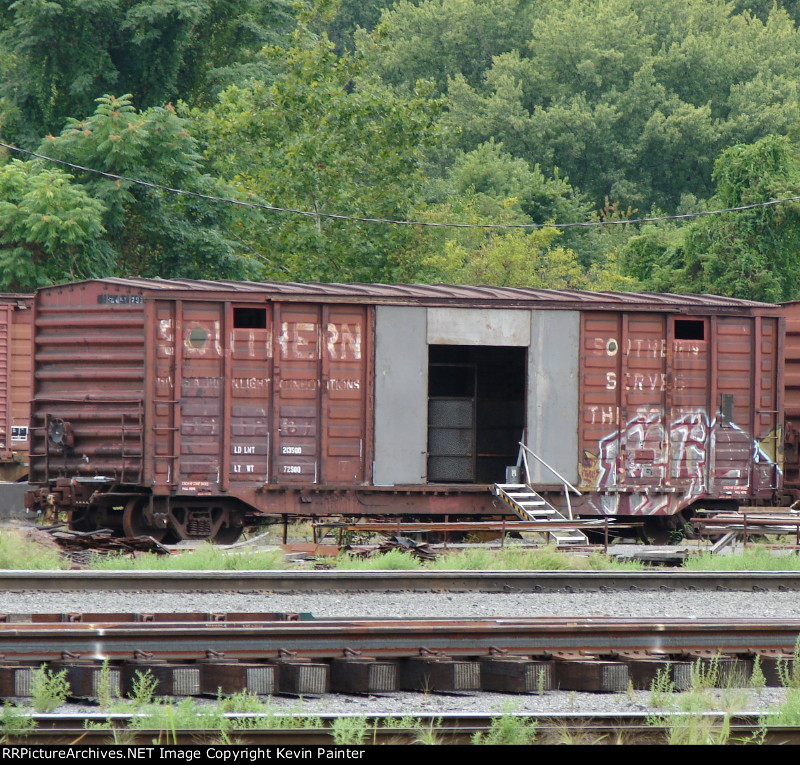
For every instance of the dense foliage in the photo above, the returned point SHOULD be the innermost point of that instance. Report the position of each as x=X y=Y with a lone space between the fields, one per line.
x=326 y=137
x=502 y=112
x=60 y=55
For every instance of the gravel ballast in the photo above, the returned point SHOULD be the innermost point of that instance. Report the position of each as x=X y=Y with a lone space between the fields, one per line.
x=655 y=605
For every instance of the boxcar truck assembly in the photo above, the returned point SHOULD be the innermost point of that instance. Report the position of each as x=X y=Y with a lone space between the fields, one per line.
x=191 y=409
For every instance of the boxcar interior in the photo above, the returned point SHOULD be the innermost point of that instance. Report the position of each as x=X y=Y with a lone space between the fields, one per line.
x=476 y=411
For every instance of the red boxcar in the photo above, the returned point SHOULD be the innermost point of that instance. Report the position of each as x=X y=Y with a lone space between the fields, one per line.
x=195 y=408
x=16 y=325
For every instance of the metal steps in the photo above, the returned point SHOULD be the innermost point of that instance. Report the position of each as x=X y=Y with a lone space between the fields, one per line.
x=528 y=505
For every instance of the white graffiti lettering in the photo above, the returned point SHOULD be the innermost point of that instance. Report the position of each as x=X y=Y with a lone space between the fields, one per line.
x=250 y=383
x=299 y=340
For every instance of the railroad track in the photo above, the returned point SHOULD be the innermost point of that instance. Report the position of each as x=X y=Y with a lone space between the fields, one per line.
x=98 y=729
x=203 y=654
x=293 y=582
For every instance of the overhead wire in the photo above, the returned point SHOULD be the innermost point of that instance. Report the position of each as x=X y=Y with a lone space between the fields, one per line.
x=391 y=221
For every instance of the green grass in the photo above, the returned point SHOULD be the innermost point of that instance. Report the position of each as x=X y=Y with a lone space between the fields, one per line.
x=390 y=561
x=212 y=558
x=483 y=559
x=751 y=559
x=509 y=729
x=788 y=712
x=205 y=558
x=19 y=552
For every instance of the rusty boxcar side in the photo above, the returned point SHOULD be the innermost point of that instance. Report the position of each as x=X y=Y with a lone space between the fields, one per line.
x=197 y=407
x=792 y=402
x=16 y=326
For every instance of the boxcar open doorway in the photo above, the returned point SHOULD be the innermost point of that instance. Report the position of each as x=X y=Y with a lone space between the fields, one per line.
x=476 y=411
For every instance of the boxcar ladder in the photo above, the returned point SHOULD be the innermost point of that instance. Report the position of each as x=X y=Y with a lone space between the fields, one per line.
x=528 y=505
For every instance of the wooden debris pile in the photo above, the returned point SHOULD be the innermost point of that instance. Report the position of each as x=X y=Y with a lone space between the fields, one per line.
x=421 y=550
x=79 y=546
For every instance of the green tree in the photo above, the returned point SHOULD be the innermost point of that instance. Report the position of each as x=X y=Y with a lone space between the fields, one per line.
x=60 y=227
x=491 y=172
x=50 y=229
x=748 y=253
x=351 y=15
x=630 y=99
x=60 y=55
x=504 y=257
x=440 y=39
x=324 y=138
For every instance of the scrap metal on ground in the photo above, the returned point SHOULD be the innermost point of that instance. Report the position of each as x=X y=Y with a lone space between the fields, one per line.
x=80 y=546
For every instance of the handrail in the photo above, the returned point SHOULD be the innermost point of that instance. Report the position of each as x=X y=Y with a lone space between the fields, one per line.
x=550 y=468
x=523 y=457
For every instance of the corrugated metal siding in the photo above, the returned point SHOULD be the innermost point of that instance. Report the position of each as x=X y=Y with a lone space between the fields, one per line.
x=5 y=381
x=89 y=372
x=748 y=447
x=345 y=386
x=202 y=392
x=321 y=393
x=251 y=404
x=769 y=428
x=20 y=372
x=689 y=419
x=297 y=394
x=792 y=393
x=735 y=378
x=163 y=414
x=643 y=381
x=692 y=416
x=15 y=375
x=599 y=435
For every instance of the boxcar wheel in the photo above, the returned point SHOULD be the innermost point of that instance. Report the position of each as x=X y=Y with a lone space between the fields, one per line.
x=133 y=522
x=227 y=535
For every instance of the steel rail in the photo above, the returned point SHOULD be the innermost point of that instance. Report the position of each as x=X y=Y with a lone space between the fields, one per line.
x=293 y=582
x=391 y=639
x=634 y=728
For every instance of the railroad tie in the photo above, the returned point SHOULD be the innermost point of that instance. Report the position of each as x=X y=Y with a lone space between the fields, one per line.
x=363 y=675
x=230 y=677
x=593 y=675
x=516 y=674
x=439 y=674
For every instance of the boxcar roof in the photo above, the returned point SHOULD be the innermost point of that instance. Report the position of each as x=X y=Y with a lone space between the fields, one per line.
x=442 y=294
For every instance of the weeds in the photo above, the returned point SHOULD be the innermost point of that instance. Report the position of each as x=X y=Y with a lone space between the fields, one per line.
x=19 y=552
x=14 y=723
x=352 y=731
x=49 y=689
x=662 y=688
x=573 y=735
x=750 y=559
x=788 y=713
x=789 y=669
x=105 y=689
x=704 y=675
x=143 y=688
x=757 y=680
x=486 y=559
x=427 y=735
x=508 y=729
x=541 y=681
x=208 y=557
x=390 y=561
x=698 y=729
